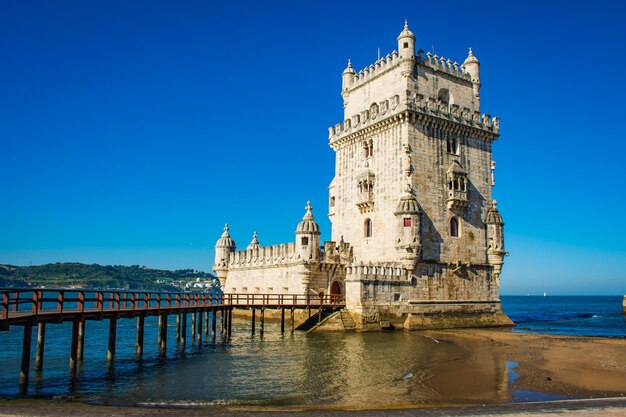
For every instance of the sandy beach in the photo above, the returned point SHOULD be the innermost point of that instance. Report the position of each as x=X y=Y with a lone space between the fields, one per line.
x=587 y=374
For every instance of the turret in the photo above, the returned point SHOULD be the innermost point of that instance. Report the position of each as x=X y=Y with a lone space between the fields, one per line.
x=308 y=236
x=408 y=222
x=347 y=77
x=255 y=242
x=495 y=239
x=406 y=42
x=472 y=67
x=223 y=249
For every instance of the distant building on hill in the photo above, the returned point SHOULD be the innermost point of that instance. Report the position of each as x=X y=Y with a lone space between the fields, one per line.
x=417 y=240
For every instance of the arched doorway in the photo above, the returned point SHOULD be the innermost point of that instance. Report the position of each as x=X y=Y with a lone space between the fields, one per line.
x=335 y=288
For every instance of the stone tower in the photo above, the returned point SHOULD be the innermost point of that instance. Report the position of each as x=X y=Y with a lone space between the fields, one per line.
x=413 y=182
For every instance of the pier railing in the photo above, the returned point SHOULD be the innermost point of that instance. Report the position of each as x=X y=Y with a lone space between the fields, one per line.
x=21 y=304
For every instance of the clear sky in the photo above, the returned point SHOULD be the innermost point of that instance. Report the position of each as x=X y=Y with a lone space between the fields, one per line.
x=131 y=131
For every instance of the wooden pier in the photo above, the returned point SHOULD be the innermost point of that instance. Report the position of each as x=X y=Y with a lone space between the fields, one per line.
x=40 y=307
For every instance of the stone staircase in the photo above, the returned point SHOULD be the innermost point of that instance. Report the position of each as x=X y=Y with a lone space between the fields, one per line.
x=349 y=325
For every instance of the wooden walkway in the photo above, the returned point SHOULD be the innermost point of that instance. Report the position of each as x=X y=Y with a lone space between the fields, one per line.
x=30 y=307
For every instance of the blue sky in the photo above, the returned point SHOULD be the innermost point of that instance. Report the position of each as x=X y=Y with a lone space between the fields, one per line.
x=132 y=131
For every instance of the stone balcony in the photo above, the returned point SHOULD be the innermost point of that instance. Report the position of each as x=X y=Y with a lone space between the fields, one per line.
x=457 y=199
x=365 y=201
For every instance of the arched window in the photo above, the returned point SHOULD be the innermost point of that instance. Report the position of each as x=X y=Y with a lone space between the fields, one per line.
x=444 y=96
x=452 y=146
x=454 y=227
x=367 y=228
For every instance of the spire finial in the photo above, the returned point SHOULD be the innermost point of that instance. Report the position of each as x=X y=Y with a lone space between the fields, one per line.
x=308 y=207
x=406 y=23
x=349 y=63
x=226 y=227
x=470 y=52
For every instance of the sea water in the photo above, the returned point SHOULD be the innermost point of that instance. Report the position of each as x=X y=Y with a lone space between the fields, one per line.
x=318 y=369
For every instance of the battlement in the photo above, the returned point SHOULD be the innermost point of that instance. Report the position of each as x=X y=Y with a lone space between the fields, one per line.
x=377 y=272
x=392 y=60
x=428 y=106
x=439 y=63
x=269 y=255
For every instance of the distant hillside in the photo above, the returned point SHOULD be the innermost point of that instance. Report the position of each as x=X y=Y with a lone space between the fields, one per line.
x=72 y=274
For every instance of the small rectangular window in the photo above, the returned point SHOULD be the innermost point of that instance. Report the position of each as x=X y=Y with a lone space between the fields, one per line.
x=332 y=201
x=406 y=45
x=397 y=297
x=305 y=241
x=407 y=222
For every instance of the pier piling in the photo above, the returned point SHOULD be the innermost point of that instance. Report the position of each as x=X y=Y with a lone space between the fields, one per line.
x=199 y=331
x=140 y=330
x=253 y=319
x=293 y=324
x=193 y=327
x=41 y=342
x=206 y=323
x=25 y=369
x=262 y=320
x=230 y=322
x=81 y=340
x=112 y=338
x=282 y=320
x=214 y=323
x=162 y=332
x=183 y=330
x=178 y=328
x=74 y=345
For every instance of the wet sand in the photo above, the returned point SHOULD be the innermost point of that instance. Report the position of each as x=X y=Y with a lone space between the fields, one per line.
x=546 y=366
x=567 y=366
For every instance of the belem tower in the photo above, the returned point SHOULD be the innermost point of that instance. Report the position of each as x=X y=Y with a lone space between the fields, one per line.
x=417 y=241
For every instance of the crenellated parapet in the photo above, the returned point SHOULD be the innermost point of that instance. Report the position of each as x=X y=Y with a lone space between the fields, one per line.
x=282 y=254
x=442 y=64
x=377 y=272
x=374 y=70
x=383 y=112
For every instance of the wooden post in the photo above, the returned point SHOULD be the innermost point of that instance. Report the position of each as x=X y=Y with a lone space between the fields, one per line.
x=112 y=338
x=140 y=330
x=253 y=319
x=214 y=322
x=230 y=322
x=199 y=331
x=74 y=346
x=282 y=320
x=25 y=370
x=193 y=326
x=178 y=328
x=183 y=330
x=81 y=340
x=262 y=320
x=206 y=323
x=223 y=329
x=162 y=331
x=41 y=341
x=293 y=322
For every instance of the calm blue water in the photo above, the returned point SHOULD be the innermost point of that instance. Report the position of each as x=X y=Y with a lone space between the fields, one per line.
x=349 y=369
x=567 y=315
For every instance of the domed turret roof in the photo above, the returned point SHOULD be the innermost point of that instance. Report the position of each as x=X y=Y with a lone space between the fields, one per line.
x=407 y=205
x=349 y=69
x=493 y=215
x=406 y=32
x=308 y=224
x=225 y=241
x=471 y=59
x=255 y=242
